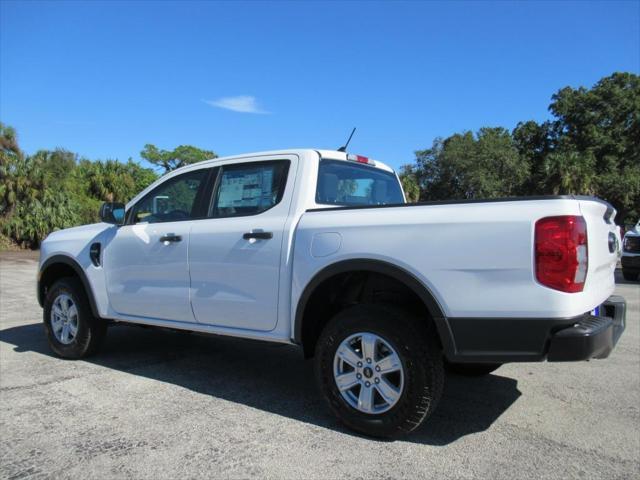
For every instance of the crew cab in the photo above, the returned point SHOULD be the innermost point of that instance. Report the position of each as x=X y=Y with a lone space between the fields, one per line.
x=318 y=249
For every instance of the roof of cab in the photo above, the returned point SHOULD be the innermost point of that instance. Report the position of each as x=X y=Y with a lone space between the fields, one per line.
x=327 y=154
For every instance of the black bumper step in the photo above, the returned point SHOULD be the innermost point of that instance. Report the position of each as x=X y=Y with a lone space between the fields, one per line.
x=592 y=336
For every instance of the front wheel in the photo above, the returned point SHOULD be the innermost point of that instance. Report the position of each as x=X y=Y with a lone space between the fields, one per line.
x=380 y=369
x=72 y=330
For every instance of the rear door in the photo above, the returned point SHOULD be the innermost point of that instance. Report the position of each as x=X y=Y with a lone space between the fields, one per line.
x=235 y=255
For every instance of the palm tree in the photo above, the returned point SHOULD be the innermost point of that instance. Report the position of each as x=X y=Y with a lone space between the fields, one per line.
x=9 y=140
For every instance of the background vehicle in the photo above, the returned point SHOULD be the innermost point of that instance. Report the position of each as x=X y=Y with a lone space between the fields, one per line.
x=318 y=249
x=631 y=254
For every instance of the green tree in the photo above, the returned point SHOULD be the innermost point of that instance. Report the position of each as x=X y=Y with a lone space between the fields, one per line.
x=8 y=140
x=410 y=185
x=603 y=124
x=57 y=165
x=21 y=178
x=53 y=189
x=484 y=165
x=34 y=218
x=591 y=146
x=113 y=181
x=534 y=143
x=568 y=172
x=176 y=158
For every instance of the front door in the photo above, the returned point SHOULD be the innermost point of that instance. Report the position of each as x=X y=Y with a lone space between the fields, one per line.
x=146 y=262
x=235 y=256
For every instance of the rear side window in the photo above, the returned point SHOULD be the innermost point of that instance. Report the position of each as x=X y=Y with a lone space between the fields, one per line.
x=343 y=183
x=249 y=188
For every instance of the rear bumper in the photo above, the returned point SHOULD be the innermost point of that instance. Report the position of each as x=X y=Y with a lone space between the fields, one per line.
x=535 y=339
x=591 y=337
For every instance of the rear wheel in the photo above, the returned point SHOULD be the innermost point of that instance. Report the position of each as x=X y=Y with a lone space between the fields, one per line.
x=379 y=369
x=72 y=330
x=630 y=276
x=472 y=369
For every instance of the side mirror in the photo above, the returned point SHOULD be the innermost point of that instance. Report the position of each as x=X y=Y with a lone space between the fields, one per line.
x=112 y=212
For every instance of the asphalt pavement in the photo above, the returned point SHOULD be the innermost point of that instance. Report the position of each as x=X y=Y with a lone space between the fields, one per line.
x=165 y=405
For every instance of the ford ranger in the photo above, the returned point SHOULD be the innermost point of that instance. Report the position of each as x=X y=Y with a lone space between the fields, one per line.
x=319 y=249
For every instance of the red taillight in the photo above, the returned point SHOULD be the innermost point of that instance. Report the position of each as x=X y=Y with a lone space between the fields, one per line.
x=561 y=252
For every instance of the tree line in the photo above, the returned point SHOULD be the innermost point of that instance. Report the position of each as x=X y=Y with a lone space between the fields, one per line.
x=591 y=146
x=54 y=189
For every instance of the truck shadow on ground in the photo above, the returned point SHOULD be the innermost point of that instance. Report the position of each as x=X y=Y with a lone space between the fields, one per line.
x=270 y=377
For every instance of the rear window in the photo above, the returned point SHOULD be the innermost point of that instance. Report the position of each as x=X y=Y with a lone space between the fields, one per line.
x=343 y=183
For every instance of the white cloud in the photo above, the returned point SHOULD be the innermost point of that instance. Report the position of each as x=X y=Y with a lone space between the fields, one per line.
x=241 y=103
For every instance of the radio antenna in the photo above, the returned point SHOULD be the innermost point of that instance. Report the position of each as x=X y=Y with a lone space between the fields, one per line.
x=344 y=148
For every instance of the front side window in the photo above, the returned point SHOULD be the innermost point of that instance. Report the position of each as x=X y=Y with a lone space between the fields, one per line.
x=174 y=200
x=343 y=183
x=249 y=189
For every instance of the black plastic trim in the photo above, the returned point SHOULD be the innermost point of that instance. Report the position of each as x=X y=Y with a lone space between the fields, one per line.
x=376 y=266
x=590 y=337
x=455 y=202
x=257 y=235
x=501 y=340
x=94 y=253
x=66 y=260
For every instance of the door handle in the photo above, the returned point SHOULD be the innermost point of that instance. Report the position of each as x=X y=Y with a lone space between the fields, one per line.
x=258 y=235
x=171 y=237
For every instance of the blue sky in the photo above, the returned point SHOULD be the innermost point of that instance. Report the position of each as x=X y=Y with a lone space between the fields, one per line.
x=103 y=79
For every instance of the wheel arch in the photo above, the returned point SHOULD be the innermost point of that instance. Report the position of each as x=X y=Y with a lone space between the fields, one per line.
x=61 y=266
x=378 y=267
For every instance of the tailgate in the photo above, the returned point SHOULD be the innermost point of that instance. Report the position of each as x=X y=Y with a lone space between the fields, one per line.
x=603 y=238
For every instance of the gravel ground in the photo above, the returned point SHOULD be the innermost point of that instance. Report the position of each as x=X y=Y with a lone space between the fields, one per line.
x=157 y=404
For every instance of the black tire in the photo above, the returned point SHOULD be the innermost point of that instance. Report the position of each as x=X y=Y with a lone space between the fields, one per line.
x=91 y=330
x=420 y=355
x=630 y=276
x=472 y=369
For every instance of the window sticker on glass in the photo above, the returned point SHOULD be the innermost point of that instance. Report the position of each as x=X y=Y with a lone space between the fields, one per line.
x=244 y=189
x=249 y=190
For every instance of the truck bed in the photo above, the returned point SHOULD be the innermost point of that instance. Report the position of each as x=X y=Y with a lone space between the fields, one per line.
x=475 y=256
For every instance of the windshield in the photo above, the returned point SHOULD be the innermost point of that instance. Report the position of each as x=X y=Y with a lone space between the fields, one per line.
x=342 y=183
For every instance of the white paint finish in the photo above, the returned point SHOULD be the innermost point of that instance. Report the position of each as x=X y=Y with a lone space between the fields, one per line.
x=75 y=243
x=475 y=258
x=602 y=262
x=147 y=277
x=325 y=244
x=334 y=155
x=234 y=282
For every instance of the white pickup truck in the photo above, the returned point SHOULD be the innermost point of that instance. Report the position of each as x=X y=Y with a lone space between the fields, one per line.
x=319 y=249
